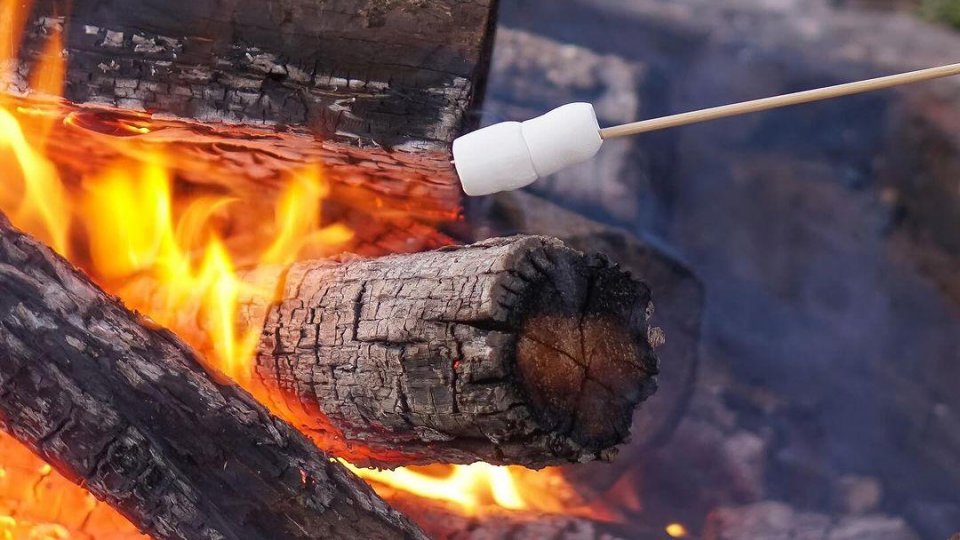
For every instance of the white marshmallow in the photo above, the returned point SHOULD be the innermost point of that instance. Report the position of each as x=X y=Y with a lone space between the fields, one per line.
x=493 y=159
x=510 y=155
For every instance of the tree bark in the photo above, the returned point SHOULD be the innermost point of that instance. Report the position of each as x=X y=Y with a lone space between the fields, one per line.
x=125 y=409
x=510 y=351
x=389 y=72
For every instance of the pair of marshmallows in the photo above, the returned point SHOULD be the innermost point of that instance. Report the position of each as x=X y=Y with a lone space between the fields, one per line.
x=513 y=154
x=510 y=155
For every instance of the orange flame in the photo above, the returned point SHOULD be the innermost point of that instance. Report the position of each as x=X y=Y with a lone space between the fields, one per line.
x=134 y=231
x=464 y=485
x=168 y=250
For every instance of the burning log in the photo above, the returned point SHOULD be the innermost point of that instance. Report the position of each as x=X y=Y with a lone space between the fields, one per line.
x=509 y=351
x=125 y=409
x=359 y=70
x=679 y=306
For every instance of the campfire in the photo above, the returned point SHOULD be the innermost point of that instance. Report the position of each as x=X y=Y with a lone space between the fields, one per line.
x=449 y=375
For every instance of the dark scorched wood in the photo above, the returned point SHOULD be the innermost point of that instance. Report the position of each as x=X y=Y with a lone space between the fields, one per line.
x=509 y=351
x=679 y=307
x=387 y=72
x=125 y=410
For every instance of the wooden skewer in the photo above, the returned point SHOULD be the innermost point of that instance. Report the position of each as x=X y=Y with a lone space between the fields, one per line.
x=775 y=102
x=510 y=155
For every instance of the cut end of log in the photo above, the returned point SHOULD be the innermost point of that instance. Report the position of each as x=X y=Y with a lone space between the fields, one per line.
x=582 y=354
x=510 y=351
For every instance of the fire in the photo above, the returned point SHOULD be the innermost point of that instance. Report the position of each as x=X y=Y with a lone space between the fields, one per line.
x=475 y=488
x=36 y=503
x=139 y=239
x=167 y=247
x=468 y=486
x=676 y=530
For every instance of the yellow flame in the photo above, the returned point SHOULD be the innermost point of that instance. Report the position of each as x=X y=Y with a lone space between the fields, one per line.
x=7 y=527
x=47 y=77
x=135 y=233
x=48 y=531
x=469 y=486
x=33 y=195
x=13 y=13
x=676 y=530
x=297 y=220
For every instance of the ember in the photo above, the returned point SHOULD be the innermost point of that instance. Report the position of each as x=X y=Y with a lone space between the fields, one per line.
x=676 y=530
x=38 y=503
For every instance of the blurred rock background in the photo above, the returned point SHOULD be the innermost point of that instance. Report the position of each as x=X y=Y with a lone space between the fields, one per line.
x=826 y=238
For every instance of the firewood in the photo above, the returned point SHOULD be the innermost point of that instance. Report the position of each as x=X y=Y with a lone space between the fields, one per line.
x=251 y=162
x=509 y=351
x=679 y=300
x=679 y=303
x=387 y=73
x=125 y=409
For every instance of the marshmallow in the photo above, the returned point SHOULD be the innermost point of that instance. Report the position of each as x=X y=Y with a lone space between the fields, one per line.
x=510 y=155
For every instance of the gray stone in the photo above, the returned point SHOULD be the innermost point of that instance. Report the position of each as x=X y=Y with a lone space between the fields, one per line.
x=858 y=494
x=768 y=520
x=873 y=528
x=531 y=74
x=771 y=520
x=745 y=457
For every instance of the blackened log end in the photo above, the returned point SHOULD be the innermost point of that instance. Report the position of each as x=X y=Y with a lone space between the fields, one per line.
x=582 y=355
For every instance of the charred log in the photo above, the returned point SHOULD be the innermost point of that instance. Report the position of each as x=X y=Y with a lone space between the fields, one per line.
x=679 y=306
x=388 y=72
x=510 y=351
x=392 y=200
x=125 y=409
x=679 y=297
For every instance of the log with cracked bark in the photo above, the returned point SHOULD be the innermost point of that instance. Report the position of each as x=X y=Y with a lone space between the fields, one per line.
x=510 y=351
x=388 y=72
x=125 y=409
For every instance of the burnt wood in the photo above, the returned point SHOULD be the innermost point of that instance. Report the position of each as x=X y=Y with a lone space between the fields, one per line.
x=385 y=72
x=124 y=409
x=679 y=299
x=393 y=200
x=510 y=351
